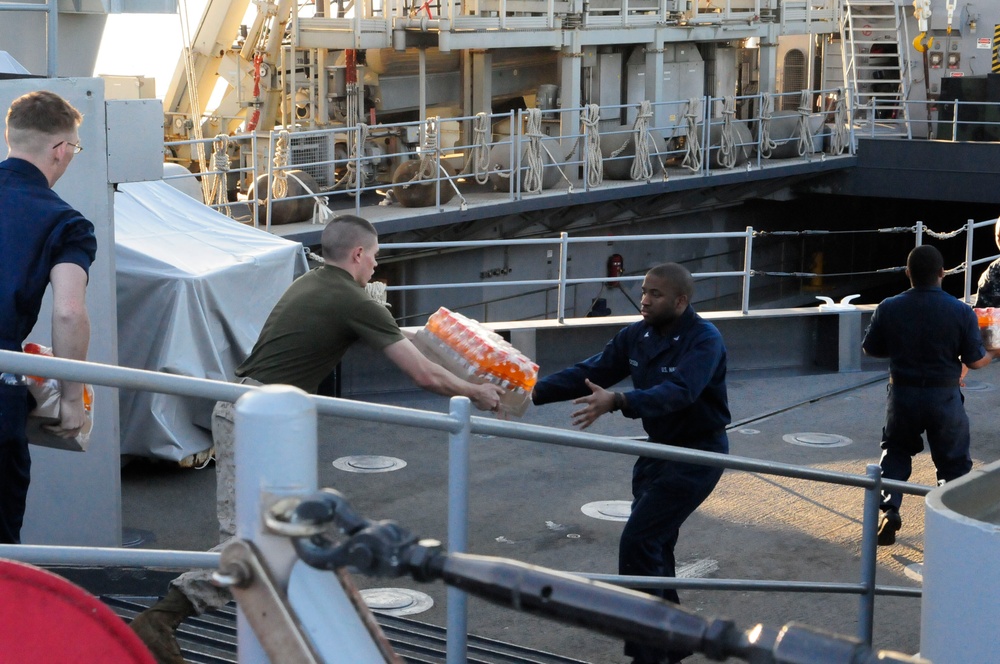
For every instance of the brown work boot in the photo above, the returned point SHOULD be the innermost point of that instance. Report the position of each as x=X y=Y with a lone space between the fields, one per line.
x=157 y=624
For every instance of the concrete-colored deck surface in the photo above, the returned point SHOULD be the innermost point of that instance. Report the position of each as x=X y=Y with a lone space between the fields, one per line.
x=526 y=500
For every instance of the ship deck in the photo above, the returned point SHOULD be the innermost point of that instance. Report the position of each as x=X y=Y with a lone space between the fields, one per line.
x=526 y=504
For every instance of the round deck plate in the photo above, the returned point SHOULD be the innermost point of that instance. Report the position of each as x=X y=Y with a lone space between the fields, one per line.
x=817 y=439
x=397 y=601
x=367 y=463
x=608 y=510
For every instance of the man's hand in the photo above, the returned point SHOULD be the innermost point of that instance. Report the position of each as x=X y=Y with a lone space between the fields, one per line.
x=600 y=401
x=486 y=397
x=72 y=418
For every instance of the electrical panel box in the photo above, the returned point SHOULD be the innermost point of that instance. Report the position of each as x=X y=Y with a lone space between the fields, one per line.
x=135 y=140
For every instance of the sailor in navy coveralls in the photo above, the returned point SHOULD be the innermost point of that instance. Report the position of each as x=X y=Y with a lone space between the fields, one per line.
x=927 y=335
x=677 y=363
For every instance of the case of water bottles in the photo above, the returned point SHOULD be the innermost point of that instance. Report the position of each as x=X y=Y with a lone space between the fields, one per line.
x=471 y=351
x=989 y=326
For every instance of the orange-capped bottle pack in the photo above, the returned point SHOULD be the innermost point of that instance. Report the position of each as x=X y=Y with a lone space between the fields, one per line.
x=471 y=351
x=989 y=326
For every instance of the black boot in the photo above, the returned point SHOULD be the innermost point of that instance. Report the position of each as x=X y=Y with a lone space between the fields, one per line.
x=157 y=624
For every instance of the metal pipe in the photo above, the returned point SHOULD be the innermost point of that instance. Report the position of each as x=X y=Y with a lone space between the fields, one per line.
x=563 y=259
x=86 y=556
x=869 y=553
x=460 y=409
x=275 y=458
x=747 y=269
x=970 y=227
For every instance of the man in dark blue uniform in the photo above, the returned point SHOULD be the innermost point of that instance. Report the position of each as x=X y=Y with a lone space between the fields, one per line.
x=43 y=240
x=677 y=363
x=927 y=335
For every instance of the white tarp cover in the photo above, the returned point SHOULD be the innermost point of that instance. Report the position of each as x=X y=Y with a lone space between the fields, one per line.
x=194 y=289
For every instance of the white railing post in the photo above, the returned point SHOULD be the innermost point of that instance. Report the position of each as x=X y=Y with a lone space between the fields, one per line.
x=920 y=234
x=275 y=457
x=970 y=227
x=563 y=260
x=460 y=408
x=747 y=270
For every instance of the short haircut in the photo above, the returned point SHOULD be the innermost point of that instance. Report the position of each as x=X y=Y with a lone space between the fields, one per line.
x=35 y=117
x=924 y=264
x=677 y=275
x=344 y=234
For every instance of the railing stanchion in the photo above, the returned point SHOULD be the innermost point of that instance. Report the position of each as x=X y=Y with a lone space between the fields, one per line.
x=869 y=553
x=460 y=408
x=970 y=227
x=747 y=270
x=563 y=259
x=920 y=234
x=275 y=457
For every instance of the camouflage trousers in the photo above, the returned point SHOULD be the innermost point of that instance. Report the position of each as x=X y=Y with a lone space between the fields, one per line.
x=197 y=584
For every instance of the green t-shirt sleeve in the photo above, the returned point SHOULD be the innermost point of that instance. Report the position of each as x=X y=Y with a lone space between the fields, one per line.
x=375 y=326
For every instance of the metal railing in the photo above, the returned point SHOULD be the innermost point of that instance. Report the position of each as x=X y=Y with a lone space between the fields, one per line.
x=460 y=425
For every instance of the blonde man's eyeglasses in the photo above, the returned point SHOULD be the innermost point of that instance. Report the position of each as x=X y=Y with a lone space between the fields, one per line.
x=77 y=149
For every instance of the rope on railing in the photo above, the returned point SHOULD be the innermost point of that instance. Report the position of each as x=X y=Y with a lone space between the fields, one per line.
x=479 y=157
x=220 y=164
x=841 y=133
x=642 y=164
x=594 y=166
x=893 y=229
x=806 y=143
x=279 y=183
x=727 y=142
x=767 y=144
x=533 y=154
x=692 y=145
x=351 y=175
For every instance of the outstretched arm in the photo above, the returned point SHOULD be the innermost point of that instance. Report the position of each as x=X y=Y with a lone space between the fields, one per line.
x=70 y=338
x=435 y=378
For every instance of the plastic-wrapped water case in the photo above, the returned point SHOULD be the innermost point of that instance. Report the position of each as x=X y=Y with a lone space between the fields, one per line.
x=989 y=326
x=47 y=392
x=471 y=351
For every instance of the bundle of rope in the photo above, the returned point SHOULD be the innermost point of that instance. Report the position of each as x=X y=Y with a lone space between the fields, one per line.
x=727 y=143
x=805 y=129
x=533 y=153
x=479 y=156
x=642 y=164
x=767 y=144
x=279 y=181
x=594 y=160
x=692 y=151
x=841 y=134
x=220 y=164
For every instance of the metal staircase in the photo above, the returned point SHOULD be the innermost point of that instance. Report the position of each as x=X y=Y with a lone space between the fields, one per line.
x=873 y=45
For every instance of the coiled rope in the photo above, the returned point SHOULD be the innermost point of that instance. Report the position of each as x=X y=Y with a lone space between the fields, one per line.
x=594 y=162
x=692 y=146
x=533 y=153
x=642 y=164
x=480 y=154
x=840 y=136
x=350 y=178
x=220 y=164
x=279 y=180
x=727 y=142
x=767 y=144
x=806 y=144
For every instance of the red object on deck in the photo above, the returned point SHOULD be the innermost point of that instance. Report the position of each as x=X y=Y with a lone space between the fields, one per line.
x=45 y=618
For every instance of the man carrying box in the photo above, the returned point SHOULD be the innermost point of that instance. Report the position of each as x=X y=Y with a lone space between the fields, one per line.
x=313 y=324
